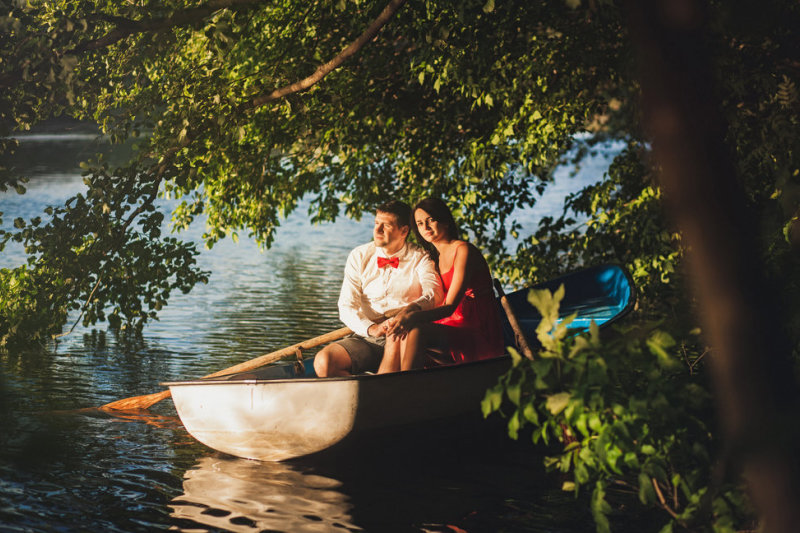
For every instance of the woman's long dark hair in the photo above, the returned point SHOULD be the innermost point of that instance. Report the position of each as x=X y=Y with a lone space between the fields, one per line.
x=439 y=212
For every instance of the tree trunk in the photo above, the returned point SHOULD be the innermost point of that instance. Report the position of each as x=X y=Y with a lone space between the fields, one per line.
x=751 y=369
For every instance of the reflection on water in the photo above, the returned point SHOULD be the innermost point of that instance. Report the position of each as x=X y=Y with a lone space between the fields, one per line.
x=241 y=495
x=480 y=485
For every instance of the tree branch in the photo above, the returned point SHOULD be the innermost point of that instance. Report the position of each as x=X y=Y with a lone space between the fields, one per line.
x=663 y=501
x=325 y=69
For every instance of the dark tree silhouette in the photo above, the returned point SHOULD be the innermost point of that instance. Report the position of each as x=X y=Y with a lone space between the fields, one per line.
x=753 y=379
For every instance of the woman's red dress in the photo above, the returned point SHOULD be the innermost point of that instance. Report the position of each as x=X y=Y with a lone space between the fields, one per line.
x=474 y=330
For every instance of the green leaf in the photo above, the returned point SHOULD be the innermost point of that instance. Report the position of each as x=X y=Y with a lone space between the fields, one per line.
x=612 y=456
x=667 y=528
x=647 y=494
x=492 y=400
x=580 y=344
x=595 y=423
x=647 y=449
x=658 y=343
x=581 y=473
x=530 y=414
x=514 y=425
x=580 y=425
x=557 y=402
x=600 y=508
x=516 y=358
x=514 y=392
x=631 y=460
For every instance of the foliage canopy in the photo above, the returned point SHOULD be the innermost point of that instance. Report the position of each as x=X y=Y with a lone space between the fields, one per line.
x=469 y=101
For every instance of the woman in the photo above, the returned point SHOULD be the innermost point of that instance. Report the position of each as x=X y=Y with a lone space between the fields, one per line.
x=466 y=327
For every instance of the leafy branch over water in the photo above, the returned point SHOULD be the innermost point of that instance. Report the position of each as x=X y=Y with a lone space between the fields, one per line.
x=107 y=245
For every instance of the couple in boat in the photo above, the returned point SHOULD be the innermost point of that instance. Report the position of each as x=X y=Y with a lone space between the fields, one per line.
x=441 y=293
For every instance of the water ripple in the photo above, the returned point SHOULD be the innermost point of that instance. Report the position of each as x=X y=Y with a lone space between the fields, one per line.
x=240 y=495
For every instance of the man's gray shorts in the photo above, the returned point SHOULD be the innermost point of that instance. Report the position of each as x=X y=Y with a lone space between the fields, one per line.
x=365 y=352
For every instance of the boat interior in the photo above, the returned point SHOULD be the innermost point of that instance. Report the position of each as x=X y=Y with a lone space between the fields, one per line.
x=603 y=294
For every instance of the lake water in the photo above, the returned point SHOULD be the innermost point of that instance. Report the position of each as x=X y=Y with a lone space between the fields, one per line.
x=65 y=466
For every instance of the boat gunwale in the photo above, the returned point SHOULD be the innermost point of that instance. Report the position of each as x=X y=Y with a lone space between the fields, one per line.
x=356 y=377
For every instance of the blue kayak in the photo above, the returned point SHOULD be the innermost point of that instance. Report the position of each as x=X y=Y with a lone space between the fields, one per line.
x=602 y=293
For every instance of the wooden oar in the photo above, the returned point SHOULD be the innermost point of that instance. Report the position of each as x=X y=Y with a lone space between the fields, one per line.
x=143 y=402
x=522 y=342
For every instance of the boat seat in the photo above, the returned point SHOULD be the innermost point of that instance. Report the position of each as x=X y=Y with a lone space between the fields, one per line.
x=437 y=357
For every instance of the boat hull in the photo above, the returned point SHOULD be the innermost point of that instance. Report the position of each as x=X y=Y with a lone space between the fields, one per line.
x=281 y=419
x=269 y=421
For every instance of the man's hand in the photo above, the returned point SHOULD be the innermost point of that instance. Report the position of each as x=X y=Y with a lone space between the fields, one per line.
x=377 y=330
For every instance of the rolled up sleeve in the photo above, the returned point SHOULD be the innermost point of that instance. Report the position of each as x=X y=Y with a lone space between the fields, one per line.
x=350 y=305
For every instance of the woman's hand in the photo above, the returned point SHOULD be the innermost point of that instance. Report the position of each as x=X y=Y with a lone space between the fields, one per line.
x=401 y=324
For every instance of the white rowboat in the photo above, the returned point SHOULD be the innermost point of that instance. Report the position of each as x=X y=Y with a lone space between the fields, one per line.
x=279 y=412
x=272 y=420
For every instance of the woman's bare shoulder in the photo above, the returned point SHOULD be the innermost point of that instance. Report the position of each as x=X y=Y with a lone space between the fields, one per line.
x=463 y=247
x=466 y=253
x=467 y=249
x=472 y=254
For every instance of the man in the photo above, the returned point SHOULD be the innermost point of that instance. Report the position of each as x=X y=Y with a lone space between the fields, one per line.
x=385 y=275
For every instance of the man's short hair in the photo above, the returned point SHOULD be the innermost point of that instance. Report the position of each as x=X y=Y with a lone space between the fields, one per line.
x=399 y=209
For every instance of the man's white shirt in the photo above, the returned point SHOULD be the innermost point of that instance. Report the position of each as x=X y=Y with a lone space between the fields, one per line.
x=369 y=291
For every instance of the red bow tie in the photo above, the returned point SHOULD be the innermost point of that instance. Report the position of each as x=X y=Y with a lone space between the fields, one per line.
x=384 y=262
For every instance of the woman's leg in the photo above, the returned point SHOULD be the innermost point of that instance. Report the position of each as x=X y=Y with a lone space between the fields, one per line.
x=391 y=356
x=411 y=350
x=427 y=336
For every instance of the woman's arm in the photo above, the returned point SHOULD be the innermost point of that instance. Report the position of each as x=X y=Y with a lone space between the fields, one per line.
x=463 y=266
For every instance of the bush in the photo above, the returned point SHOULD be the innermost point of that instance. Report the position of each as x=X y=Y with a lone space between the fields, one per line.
x=626 y=414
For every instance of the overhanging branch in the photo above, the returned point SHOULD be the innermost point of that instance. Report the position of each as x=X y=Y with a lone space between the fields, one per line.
x=326 y=68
